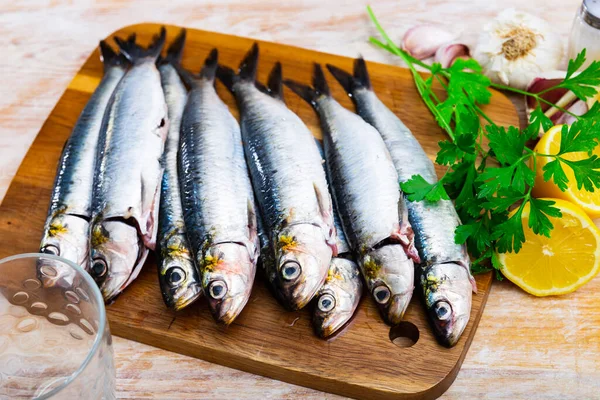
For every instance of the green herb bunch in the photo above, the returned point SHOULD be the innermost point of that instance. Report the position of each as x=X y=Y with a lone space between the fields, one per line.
x=484 y=191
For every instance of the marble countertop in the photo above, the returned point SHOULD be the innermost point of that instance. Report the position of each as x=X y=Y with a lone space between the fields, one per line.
x=524 y=346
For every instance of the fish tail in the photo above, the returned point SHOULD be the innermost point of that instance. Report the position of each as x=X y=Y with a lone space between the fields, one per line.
x=209 y=70
x=110 y=58
x=137 y=54
x=319 y=81
x=310 y=94
x=350 y=82
x=227 y=76
x=248 y=66
x=275 y=82
x=361 y=75
x=175 y=50
x=344 y=78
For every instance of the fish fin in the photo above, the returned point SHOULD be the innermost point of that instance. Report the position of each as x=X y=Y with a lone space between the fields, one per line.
x=110 y=58
x=344 y=78
x=248 y=66
x=262 y=88
x=305 y=92
x=405 y=234
x=310 y=94
x=209 y=70
x=361 y=75
x=175 y=50
x=137 y=54
x=227 y=76
x=275 y=82
x=326 y=210
x=319 y=82
x=253 y=228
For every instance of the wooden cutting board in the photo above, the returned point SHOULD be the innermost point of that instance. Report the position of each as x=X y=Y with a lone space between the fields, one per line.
x=362 y=361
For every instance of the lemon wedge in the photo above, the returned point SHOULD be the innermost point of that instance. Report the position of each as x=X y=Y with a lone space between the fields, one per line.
x=559 y=264
x=550 y=144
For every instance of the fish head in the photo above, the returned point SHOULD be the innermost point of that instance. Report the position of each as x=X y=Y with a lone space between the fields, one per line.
x=179 y=279
x=228 y=271
x=303 y=258
x=448 y=294
x=338 y=298
x=117 y=255
x=65 y=236
x=389 y=274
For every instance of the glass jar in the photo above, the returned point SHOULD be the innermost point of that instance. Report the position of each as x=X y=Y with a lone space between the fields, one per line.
x=585 y=32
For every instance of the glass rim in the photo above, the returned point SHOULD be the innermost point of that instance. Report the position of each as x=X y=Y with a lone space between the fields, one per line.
x=102 y=315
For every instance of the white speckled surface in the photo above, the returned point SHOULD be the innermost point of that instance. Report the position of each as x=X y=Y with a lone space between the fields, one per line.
x=524 y=347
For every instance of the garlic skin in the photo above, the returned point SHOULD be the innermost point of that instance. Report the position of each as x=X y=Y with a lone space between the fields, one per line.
x=448 y=53
x=516 y=47
x=422 y=41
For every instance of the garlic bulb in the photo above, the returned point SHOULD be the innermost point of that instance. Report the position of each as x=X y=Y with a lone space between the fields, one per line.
x=516 y=47
x=422 y=41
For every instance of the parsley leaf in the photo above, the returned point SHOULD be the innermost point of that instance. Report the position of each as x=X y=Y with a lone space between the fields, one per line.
x=539 y=211
x=466 y=77
x=582 y=135
x=448 y=154
x=575 y=64
x=587 y=172
x=584 y=84
x=538 y=123
x=508 y=146
x=417 y=189
x=553 y=170
x=509 y=234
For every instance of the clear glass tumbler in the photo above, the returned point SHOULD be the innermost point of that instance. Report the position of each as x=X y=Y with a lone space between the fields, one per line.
x=54 y=337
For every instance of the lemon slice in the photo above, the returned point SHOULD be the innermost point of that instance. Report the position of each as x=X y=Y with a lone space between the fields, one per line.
x=559 y=264
x=550 y=144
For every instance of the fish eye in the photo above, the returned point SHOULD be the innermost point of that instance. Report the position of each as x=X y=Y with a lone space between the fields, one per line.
x=175 y=276
x=99 y=267
x=382 y=294
x=290 y=270
x=326 y=303
x=217 y=290
x=443 y=310
x=50 y=249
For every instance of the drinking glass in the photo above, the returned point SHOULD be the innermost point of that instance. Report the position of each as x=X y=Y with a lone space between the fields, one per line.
x=54 y=337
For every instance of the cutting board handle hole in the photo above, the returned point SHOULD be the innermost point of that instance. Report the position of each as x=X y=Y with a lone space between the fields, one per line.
x=405 y=334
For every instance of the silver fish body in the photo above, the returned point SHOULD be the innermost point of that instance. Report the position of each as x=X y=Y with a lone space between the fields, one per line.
x=66 y=231
x=290 y=187
x=128 y=173
x=444 y=271
x=177 y=272
x=365 y=188
x=338 y=298
x=218 y=201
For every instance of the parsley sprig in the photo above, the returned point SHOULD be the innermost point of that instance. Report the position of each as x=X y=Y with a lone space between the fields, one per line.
x=487 y=182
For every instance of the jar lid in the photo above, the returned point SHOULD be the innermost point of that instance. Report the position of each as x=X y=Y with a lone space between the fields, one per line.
x=590 y=11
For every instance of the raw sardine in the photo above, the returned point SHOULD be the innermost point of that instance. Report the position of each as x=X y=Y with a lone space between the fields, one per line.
x=289 y=183
x=444 y=273
x=218 y=202
x=129 y=172
x=177 y=272
x=66 y=232
x=338 y=298
x=365 y=188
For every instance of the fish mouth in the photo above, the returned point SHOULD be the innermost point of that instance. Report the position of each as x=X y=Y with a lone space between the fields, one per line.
x=228 y=310
x=396 y=308
x=449 y=333
x=190 y=295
